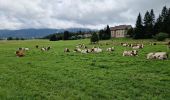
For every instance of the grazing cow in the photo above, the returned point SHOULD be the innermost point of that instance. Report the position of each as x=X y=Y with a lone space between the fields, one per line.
x=130 y=53
x=158 y=55
x=66 y=50
x=110 y=49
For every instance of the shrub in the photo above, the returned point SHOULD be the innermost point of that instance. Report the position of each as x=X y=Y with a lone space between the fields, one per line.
x=53 y=38
x=161 y=36
x=9 y=38
x=94 y=38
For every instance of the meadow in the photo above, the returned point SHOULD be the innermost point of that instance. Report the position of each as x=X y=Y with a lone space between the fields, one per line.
x=55 y=75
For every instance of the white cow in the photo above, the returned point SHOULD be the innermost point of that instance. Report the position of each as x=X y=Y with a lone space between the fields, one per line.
x=84 y=51
x=158 y=55
x=110 y=49
x=26 y=49
x=161 y=55
x=150 y=55
x=130 y=53
x=97 y=50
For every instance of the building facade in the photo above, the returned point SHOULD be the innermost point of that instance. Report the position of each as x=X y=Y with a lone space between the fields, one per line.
x=119 y=31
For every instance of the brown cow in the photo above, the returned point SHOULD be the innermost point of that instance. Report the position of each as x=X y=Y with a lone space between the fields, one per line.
x=20 y=53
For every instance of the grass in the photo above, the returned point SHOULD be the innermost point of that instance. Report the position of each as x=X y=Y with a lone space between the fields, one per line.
x=55 y=75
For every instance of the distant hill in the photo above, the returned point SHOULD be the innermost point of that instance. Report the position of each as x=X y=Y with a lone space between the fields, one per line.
x=37 y=33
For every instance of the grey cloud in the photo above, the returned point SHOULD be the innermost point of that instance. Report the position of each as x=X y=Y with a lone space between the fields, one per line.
x=73 y=13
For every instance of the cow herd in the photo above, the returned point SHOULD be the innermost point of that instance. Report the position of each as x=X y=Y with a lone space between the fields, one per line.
x=21 y=51
x=82 y=48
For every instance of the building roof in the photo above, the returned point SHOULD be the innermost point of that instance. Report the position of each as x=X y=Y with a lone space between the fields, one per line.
x=120 y=27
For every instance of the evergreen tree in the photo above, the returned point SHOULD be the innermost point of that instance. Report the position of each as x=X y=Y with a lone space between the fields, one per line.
x=152 y=15
x=168 y=22
x=101 y=34
x=66 y=35
x=53 y=38
x=147 y=25
x=105 y=34
x=139 y=28
x=158 y=25
x=108 y=32
x=164 y=14
x=94 y=38
x=130 y=32
x=9 y=38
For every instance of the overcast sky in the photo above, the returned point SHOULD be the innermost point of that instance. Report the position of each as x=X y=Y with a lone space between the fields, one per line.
x=19 y=14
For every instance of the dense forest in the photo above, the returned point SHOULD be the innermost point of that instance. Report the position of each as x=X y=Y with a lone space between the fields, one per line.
x=150 y=26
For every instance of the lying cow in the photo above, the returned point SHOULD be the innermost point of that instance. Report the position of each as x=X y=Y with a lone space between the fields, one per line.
x=130 y=53
x=151 y=56
x=137 y=46
x=158 y=55
x=24 y=49
x=20 y=53
x=66 y=50
x=77 y=50
x=110 y=49
x=85 y=51
x=96 y=50
x=45 y=48
x=124 y=44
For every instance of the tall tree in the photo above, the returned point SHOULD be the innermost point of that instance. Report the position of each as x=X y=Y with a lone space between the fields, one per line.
x=139 y=28
x=158 y=25
x=66 y=35
x=164 y=14
x=94 y=38
x=105 y=34
x=53 y=37
x=168 y=23
x=130 y=32
x=108 y=32
x=152 y=15
x=147 y=25
x=101 y=34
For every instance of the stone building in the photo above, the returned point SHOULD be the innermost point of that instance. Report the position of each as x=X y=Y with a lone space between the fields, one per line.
x=119 y=31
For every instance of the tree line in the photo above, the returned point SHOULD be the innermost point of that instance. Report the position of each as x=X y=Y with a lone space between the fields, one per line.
x=66 y=35
x=103 y=34
x=149 y=26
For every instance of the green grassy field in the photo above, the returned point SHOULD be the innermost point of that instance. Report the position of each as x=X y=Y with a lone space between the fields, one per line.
x=55 y=75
